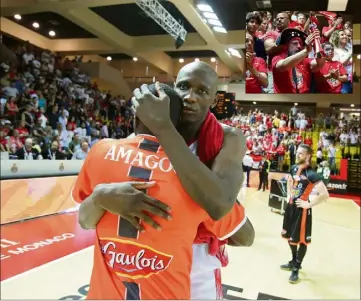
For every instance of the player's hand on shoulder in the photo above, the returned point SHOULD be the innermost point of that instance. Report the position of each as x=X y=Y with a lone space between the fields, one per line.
x=127 y=200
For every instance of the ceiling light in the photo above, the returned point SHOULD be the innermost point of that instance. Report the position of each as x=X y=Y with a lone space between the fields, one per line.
x=254 y=103
x=352 y=105
x=135 y=59
x=36 y=25
x=359 y=56
x=210 y=16
x=296 y=104
x=213 y=59
x=196 y=59
x=52 y=33
x=109 y=58
x=205 y=7
x=219 y=29
x=17 y=17
x=234 y=52
x=181 y=61
x=215 y=22
x=337 y=5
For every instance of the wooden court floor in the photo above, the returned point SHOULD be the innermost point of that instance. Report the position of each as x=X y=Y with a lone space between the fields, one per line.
x=51 y=257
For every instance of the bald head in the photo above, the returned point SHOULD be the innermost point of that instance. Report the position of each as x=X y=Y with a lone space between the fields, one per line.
x=200 y=69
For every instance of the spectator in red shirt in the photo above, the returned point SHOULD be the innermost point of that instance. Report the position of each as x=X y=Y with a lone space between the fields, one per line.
x=282 y=22
x=281 y=151
x=328 y=30
x=262 y=29
x=292 y=69
x=308 y=141
x=23 y=131
x=71 y=124
x=330 y=77
x=256 y=73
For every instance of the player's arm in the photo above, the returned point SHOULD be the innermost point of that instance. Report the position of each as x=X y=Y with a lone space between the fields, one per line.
x=322 y=193
x=122 y=199
x=235 y=227
x=244 y=237
x=219 y=186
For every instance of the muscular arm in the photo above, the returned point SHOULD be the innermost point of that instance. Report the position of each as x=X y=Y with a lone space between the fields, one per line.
x=291 y=61
x=317 y=64
x=271 y=47
x=322 y=194
x=244 y=237
x=214 y=190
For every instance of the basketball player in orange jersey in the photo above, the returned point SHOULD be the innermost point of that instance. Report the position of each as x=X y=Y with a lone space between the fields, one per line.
x=133 y=265
x=297 y=222
x=197 y=85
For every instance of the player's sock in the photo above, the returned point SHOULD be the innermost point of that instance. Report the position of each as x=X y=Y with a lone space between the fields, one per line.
x=288 y=266
x=301 y=254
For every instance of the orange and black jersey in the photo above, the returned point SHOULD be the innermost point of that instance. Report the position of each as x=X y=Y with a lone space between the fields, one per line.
x=304 y=180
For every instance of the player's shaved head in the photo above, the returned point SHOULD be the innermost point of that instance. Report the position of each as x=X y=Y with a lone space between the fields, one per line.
x=200 y=69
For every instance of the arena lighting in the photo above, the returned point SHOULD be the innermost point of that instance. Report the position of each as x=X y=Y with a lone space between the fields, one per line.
x=215 y=22
x=109 y=58
x=213 y=59
x=205 y=8
x=337 y=5
x=254 y=103
x=359 y=56
x=219 y=29
x=36 y=25
x=352 y=105
x=181 y=61
x=196 y=59
x=135 y=59
x=164 y=19
x=210 y=16
x=234 y=52
x=17 y=17
x=52 y=33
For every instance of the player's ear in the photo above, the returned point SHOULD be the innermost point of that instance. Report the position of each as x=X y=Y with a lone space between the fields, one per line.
x=214 y=103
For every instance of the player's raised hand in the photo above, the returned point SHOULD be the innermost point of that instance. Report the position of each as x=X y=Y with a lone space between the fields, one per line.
x=127 y=200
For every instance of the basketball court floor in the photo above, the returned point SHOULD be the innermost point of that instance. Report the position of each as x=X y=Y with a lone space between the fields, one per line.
x=51 y=257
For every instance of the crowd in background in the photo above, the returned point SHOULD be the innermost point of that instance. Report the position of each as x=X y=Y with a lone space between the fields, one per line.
x=52 y=110
x=264 y=51
x=277 y=136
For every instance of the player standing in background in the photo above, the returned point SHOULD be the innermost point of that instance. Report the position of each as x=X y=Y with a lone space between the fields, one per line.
x=297 y=222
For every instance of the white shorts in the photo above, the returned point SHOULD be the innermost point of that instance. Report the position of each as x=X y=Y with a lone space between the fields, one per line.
x=206 y=285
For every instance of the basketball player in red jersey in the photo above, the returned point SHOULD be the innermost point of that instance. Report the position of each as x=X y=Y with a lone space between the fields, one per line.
x=297 y=222
x=197 y=85
x=133 y=265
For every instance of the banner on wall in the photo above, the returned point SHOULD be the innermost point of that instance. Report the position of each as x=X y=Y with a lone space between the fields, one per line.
x=336 y=186
x=28 y=198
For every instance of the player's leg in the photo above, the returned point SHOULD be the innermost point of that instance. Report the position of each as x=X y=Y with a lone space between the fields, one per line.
x=260 y=180
x=304 y=239
x=289 y=265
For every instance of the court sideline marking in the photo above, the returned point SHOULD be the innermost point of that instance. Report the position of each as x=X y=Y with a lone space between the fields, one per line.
x=46 y=264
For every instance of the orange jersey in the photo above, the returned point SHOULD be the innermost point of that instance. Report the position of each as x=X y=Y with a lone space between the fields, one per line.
x=154 y=264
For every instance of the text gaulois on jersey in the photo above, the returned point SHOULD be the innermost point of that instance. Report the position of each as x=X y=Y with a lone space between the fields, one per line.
x=132 y=260
x=138 y=158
